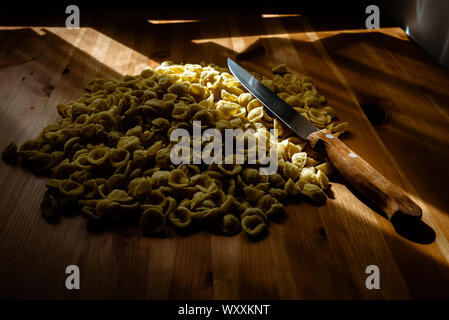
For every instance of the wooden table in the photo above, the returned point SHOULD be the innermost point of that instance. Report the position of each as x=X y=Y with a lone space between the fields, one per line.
x=393 y=95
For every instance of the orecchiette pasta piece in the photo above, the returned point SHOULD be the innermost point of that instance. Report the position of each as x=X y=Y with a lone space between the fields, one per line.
x=147 y=72
x=106 y=207
x=156 y=197
x=50 y=208
x=256 y=114
x=172 y=205
x=326 y=168
x=9 y=154
x=119 y=195
x=299 y=159
x=322 y=179
x=178 y=179
x=134 y=174
x=140 y=158
x=312 y=102
x=139 y=187
x=308 y=175
x=236 y=123
x=81 y=176
x=154 y=148
x=98 y=156
x=160 y=178
x=263 y=186
x=311 y=162
x=230 y=224
x=163 y=158
x=291 y=171
x=205 y=117
x=198 y=199
x=227 y=109
x=229 y=96
x=106 y=119
x=253 y=104
x=152 y=221
x=113 y=137
x=71 y=188
x=171 y=192
x=161 y=124
x=280 y=69
x=245 y=98
x=130 y=143
x=339 y=128
x=197 y=90
x=39 y=161
x=295 y=101
x=90 y=188
x=278 y=193
x=136 y=131
x=251 y=176
x=64 y=169
x=177 y=88
x=253 y=225
x=276 y=180
x=291 y=188
x=181 y=217
x=201 y=180
x=118 y=157
x=252 y=194
x=269 y=205
x=88 y=131
x=314 y=193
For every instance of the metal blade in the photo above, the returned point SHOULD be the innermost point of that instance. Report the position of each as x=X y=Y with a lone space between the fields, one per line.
x=282 y=110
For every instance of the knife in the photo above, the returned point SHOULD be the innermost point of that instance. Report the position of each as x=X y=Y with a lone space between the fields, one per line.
x=362 y=176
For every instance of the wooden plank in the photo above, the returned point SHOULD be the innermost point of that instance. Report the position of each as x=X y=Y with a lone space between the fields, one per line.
x=401 y=249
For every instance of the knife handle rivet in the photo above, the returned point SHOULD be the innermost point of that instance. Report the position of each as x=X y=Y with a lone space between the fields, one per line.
x=352 y=155
x=329 y=136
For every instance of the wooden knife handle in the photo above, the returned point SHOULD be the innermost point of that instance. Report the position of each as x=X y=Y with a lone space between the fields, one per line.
x=364 y=178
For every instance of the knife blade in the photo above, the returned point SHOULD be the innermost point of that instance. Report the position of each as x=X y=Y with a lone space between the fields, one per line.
x=361 y=175
x=286 y=114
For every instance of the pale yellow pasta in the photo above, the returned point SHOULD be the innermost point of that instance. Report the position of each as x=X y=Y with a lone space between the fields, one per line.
x=252 y=193
x=110 y=151
x=281 y=68
x=255 y=114
x=291 y=171
x=291 y=188
x=314 y=193
x=326 y=168
x=152 y=221
x=181 y=217
x=178 y=179
x=118 y=195
x=299 y=159
x=130 y=143
x=322 y=179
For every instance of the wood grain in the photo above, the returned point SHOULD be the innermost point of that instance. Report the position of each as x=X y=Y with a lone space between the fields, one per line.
x=390 y=91
x=364 y=178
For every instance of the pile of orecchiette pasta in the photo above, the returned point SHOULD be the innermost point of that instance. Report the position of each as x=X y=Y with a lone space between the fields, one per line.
x=109 y=155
